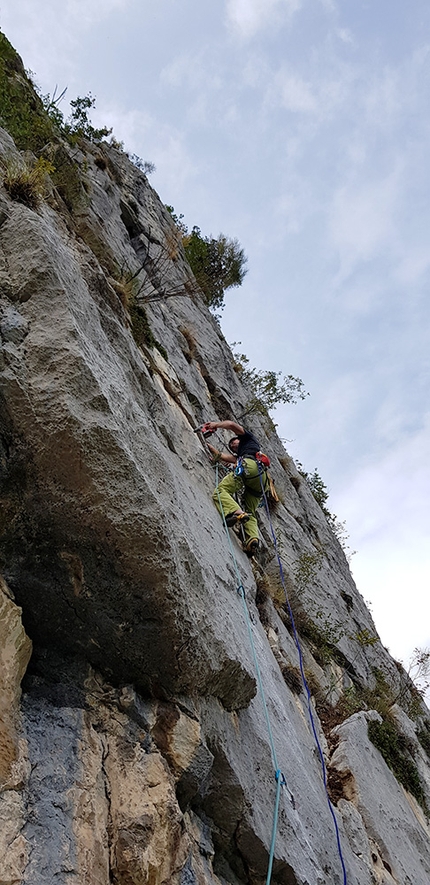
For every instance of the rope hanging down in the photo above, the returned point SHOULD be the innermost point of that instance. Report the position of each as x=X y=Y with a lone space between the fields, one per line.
x=305 y=684
x=279 y=777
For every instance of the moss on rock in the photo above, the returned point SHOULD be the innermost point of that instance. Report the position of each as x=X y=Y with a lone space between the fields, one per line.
x=21 y=110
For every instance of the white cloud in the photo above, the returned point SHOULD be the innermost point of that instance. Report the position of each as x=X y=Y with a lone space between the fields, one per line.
x=42 y=33
x=388 y=518
x=414 y=264
x=160 y=143
x=250 y=16
x=194 y=71
x=384 y=99
x=291 y=210
x=345 y=35
x=204 y=79
x=361 y=219
x=295 y=94
x=328 y=5
x=395 y=581
x=79 y=12
x=321 y=95
x=399 y=482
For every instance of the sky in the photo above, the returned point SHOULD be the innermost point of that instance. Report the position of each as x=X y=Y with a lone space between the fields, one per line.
x=301 y=128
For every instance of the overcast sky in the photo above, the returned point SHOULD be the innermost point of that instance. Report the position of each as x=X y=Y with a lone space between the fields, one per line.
x=301 y=127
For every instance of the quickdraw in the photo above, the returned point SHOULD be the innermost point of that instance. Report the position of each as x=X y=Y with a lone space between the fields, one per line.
x=239 y=470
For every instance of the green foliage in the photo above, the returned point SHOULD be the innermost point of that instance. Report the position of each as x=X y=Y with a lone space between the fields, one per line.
x=177 y=220
x=21 y=110
x=126 y=287
x=144 y=166
x=142 y=332
x=419 y=669
x=324 y=631
x=316 y=485
x=358 y=697
x=353 y=698
x=414 y=683
x=25 y=182
x=34 y=120
x=321 y=629
x=268 y=388
x=332 y=630
x=67 y=177
x=307 y=568
x=79 y=124
x=324 y=635
x=218 y=263
x=423 y=735
x=396 y=752
x=339 y=530
x=320 y=493
x=51 y=107
x=365 y=638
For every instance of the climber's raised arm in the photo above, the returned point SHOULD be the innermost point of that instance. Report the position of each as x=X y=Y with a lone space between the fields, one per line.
x=224 y=425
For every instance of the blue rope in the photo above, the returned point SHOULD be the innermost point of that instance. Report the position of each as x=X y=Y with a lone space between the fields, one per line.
x=280 y=780
x=305 y=684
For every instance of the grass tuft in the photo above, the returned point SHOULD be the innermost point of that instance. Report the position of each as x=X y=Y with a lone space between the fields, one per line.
x=26 y=182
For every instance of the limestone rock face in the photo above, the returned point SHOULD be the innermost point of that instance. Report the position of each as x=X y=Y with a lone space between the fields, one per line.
x=15 y=650
x=140 y=752
x=384 y=807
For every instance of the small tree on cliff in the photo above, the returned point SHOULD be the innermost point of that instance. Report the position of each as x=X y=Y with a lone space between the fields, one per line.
x=218 y=263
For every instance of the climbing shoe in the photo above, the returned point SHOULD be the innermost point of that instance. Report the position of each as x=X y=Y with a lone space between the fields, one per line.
x=252 y=547
x=234 y=518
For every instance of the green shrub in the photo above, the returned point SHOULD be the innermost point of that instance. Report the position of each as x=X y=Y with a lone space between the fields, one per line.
x=320 y=493
x=145 y=166
x=268 y=388
x=316 y=485
x=218 y=263
x=307 y=568
x=79 y=124
x=394 y=749
x=423 y=735
x=67 y=177
x=142 y=332
x=323 y=636
x=21 y=110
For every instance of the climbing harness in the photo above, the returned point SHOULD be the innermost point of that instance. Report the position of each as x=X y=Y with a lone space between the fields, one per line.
x=279 y=777
x=305 y=685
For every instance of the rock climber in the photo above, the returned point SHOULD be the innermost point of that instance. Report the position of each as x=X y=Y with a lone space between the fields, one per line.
x=246 y=477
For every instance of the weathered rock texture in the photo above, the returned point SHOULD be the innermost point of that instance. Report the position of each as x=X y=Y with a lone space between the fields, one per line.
x=139 y=754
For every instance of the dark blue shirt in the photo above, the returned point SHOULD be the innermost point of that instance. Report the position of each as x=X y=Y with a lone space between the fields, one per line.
x=248 y=445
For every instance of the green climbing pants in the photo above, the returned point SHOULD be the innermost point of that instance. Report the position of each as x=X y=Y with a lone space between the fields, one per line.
x=250 y=484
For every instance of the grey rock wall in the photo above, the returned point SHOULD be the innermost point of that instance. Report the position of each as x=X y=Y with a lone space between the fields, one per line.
x=144 y=751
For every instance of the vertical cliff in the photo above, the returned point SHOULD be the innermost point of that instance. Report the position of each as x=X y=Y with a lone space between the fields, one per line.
x=138 y=753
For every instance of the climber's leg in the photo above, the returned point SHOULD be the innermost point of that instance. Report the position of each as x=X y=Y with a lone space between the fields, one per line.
x=223 y=494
